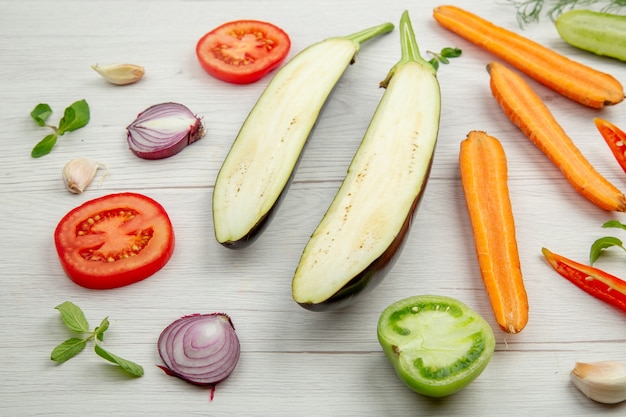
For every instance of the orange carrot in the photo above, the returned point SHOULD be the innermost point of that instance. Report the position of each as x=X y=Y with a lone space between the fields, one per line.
x=528 y=112
x=572 y=79
x=484 y=177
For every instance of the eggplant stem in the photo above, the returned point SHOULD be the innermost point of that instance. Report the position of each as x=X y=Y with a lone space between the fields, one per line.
x=366 y=34
x=409 y=48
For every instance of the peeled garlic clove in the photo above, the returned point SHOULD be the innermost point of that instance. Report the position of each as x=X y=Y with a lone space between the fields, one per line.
x=78 y=174
x=604 y=381
x=120 y=74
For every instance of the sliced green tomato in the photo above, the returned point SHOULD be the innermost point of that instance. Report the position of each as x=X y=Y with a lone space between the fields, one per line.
x=436 y=344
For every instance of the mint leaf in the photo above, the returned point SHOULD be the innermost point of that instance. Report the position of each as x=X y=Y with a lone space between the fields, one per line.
x=73 y=317
x=615 y=224
x=40 y=113
x=451 y=52
x=68 y=349
x=75 y=116
x=443 y=55
x=99 y=331
x=44 y=146
x=128 y=366
x=601 y=244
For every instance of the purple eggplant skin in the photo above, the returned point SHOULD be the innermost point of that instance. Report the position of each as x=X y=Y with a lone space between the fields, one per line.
x=370 y=277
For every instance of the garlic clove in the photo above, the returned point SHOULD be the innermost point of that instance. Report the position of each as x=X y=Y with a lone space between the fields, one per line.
x=604 y=381
x=79 y=172
x=120 y=74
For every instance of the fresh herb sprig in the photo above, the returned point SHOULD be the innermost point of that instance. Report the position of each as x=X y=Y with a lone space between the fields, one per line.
x=443 y=56
x=606 y=242
x=74 y=117
x=75 y=320
x=529 y=11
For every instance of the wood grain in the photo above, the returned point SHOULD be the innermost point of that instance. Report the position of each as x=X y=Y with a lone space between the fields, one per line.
x=294 y=362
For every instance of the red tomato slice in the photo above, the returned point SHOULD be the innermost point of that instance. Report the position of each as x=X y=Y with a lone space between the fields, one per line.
x=242 y=51
x=114 y=240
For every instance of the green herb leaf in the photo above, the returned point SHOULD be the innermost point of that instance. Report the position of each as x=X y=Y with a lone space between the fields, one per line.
x=68 y=349
x=442 y=57
x=128 y=366
x=451 y=52
x=40 y=113
x=73 y=317
x=615 y=224
x=75 y=116
x=601 y=244
x=99 y=331
x=44 y=146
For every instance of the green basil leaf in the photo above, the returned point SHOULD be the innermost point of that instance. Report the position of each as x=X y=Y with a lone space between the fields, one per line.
x=40 y=113
x=75 y=116
x=68 y=349
x=44 y=146
x=73 y=317
x=434 y=63
x=601 y=244
x=128 y=366
x=614 y=224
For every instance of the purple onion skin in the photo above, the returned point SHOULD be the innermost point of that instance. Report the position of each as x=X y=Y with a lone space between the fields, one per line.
x=200 y=370
x=158 y=151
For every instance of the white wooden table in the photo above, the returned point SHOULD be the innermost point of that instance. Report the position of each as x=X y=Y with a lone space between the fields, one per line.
x=294 y=362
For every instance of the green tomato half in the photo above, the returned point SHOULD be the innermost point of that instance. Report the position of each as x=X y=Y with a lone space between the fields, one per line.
x=437 y=345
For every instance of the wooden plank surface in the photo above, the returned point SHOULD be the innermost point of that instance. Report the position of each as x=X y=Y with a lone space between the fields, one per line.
x=294 y=362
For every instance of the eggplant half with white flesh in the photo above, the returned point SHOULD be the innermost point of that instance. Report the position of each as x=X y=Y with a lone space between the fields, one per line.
x=265 y=153
x=362 y=231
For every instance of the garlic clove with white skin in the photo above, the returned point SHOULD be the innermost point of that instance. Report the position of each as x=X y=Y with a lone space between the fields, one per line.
x=79 y=172
x=604 y=381
x=120 y=74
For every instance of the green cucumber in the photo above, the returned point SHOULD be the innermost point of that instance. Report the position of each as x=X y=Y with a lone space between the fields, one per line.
x=264 y=155
x=363 y=229
x=437 y=345
x=597 y=32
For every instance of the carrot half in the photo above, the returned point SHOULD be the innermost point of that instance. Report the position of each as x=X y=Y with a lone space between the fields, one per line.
x=528 y=112
x=572 y=79
x=484 y=176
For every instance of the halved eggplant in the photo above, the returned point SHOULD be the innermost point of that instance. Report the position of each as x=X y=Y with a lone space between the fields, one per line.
x=364 y=227
x=264 y=155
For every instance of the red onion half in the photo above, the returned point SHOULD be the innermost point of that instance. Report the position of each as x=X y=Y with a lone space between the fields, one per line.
x=202 y=349
x=163 y=130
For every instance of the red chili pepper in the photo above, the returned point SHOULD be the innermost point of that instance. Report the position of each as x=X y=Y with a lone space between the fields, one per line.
x=594 y=281
x=615 y=138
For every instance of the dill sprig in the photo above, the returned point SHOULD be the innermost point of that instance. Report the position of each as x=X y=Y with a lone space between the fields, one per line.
x=529 y=11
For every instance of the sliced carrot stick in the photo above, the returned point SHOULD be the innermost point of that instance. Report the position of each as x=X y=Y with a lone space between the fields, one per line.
x=484 y=177
x=572 y=79
x=528 y=112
